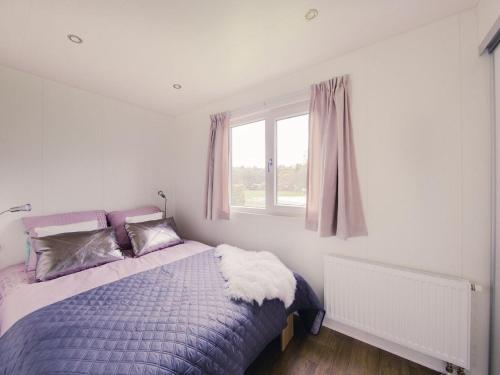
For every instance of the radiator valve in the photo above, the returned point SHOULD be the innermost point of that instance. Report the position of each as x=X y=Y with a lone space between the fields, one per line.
x=449 y=368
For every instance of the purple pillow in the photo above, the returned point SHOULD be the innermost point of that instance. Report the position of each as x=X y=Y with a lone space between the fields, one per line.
x=32 y=222
x=117 y=220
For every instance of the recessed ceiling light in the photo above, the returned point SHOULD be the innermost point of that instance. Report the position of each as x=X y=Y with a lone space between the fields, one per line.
x=177 y=86
x=311 y=14
x=75 y=38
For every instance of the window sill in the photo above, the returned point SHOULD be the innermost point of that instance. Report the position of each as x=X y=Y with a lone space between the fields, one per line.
x=295 y=212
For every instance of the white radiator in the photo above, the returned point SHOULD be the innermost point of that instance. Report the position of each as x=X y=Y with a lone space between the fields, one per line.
x=427 y=313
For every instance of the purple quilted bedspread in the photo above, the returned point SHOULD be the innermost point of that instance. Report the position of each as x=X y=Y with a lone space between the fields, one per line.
x=174 y=319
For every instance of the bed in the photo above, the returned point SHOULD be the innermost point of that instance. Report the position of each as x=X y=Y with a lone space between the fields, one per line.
x=163 y=313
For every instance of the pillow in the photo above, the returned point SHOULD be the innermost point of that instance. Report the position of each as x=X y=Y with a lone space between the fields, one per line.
x=142 y=218
x=151 y=235
x=117 y=220
x=66 y=253
x=11 y=278
x=59 y=221
x=58 y=229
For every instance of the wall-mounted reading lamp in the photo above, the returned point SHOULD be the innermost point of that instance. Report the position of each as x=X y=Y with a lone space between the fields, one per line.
x=162 y=195
x=24 y=207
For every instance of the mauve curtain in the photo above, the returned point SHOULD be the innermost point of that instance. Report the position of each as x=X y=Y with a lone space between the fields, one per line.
x=333 y=196
x=216 y=189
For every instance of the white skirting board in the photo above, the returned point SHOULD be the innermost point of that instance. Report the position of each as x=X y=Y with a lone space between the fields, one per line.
x=388 y=346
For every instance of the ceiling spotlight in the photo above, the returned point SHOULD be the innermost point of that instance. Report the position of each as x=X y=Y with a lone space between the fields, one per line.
x=311 y=14
x=177 y=86
x=75 y=38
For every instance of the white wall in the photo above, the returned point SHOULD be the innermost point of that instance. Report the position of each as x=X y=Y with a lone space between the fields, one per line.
x=422 y=138
x=64 y=149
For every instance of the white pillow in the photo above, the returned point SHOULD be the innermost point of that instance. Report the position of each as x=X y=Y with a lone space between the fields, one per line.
x=67 y=228
x=142 y=218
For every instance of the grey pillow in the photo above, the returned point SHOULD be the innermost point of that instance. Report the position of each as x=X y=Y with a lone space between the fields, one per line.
x=152 y=235
x=66 y=253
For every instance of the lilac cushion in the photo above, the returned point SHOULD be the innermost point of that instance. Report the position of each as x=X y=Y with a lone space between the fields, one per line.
x=117 y=220
x=32 y=222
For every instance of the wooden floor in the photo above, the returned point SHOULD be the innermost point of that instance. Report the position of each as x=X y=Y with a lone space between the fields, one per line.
x=330 y=353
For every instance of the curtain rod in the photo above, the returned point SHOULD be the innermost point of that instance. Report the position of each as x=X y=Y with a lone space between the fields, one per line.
x=268 y=104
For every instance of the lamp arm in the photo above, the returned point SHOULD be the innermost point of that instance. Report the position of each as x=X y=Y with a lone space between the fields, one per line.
x=162 y=195
x=24 y=207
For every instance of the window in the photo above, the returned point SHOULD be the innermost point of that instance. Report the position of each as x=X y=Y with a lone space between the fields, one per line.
x=291 y=160
x=268 y=153
x=248 y=167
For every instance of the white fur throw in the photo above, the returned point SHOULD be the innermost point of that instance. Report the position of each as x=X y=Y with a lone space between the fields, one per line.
x=255 y=275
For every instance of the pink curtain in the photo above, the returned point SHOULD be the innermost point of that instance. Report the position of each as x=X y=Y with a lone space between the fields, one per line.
x=333 y=196
x=216 y=189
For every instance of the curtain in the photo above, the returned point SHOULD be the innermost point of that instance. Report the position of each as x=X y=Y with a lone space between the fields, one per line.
x=333 y=196
x=216 y=188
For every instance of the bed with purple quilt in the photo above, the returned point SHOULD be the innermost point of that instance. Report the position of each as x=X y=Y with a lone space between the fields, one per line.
x=172 y=317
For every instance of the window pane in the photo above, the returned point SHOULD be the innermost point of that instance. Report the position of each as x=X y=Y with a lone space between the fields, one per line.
x=248 y=155
x=291 y=143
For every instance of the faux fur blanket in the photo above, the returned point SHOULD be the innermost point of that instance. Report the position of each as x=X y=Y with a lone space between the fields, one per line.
x=255 y=275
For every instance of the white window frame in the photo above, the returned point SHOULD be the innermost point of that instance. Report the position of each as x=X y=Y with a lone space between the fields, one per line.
x=270 y=117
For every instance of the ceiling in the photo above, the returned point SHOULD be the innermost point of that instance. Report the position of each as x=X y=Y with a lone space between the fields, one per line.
x=134 y=50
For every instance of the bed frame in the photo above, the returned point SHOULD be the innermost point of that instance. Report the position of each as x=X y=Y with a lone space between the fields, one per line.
x=287 y=333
